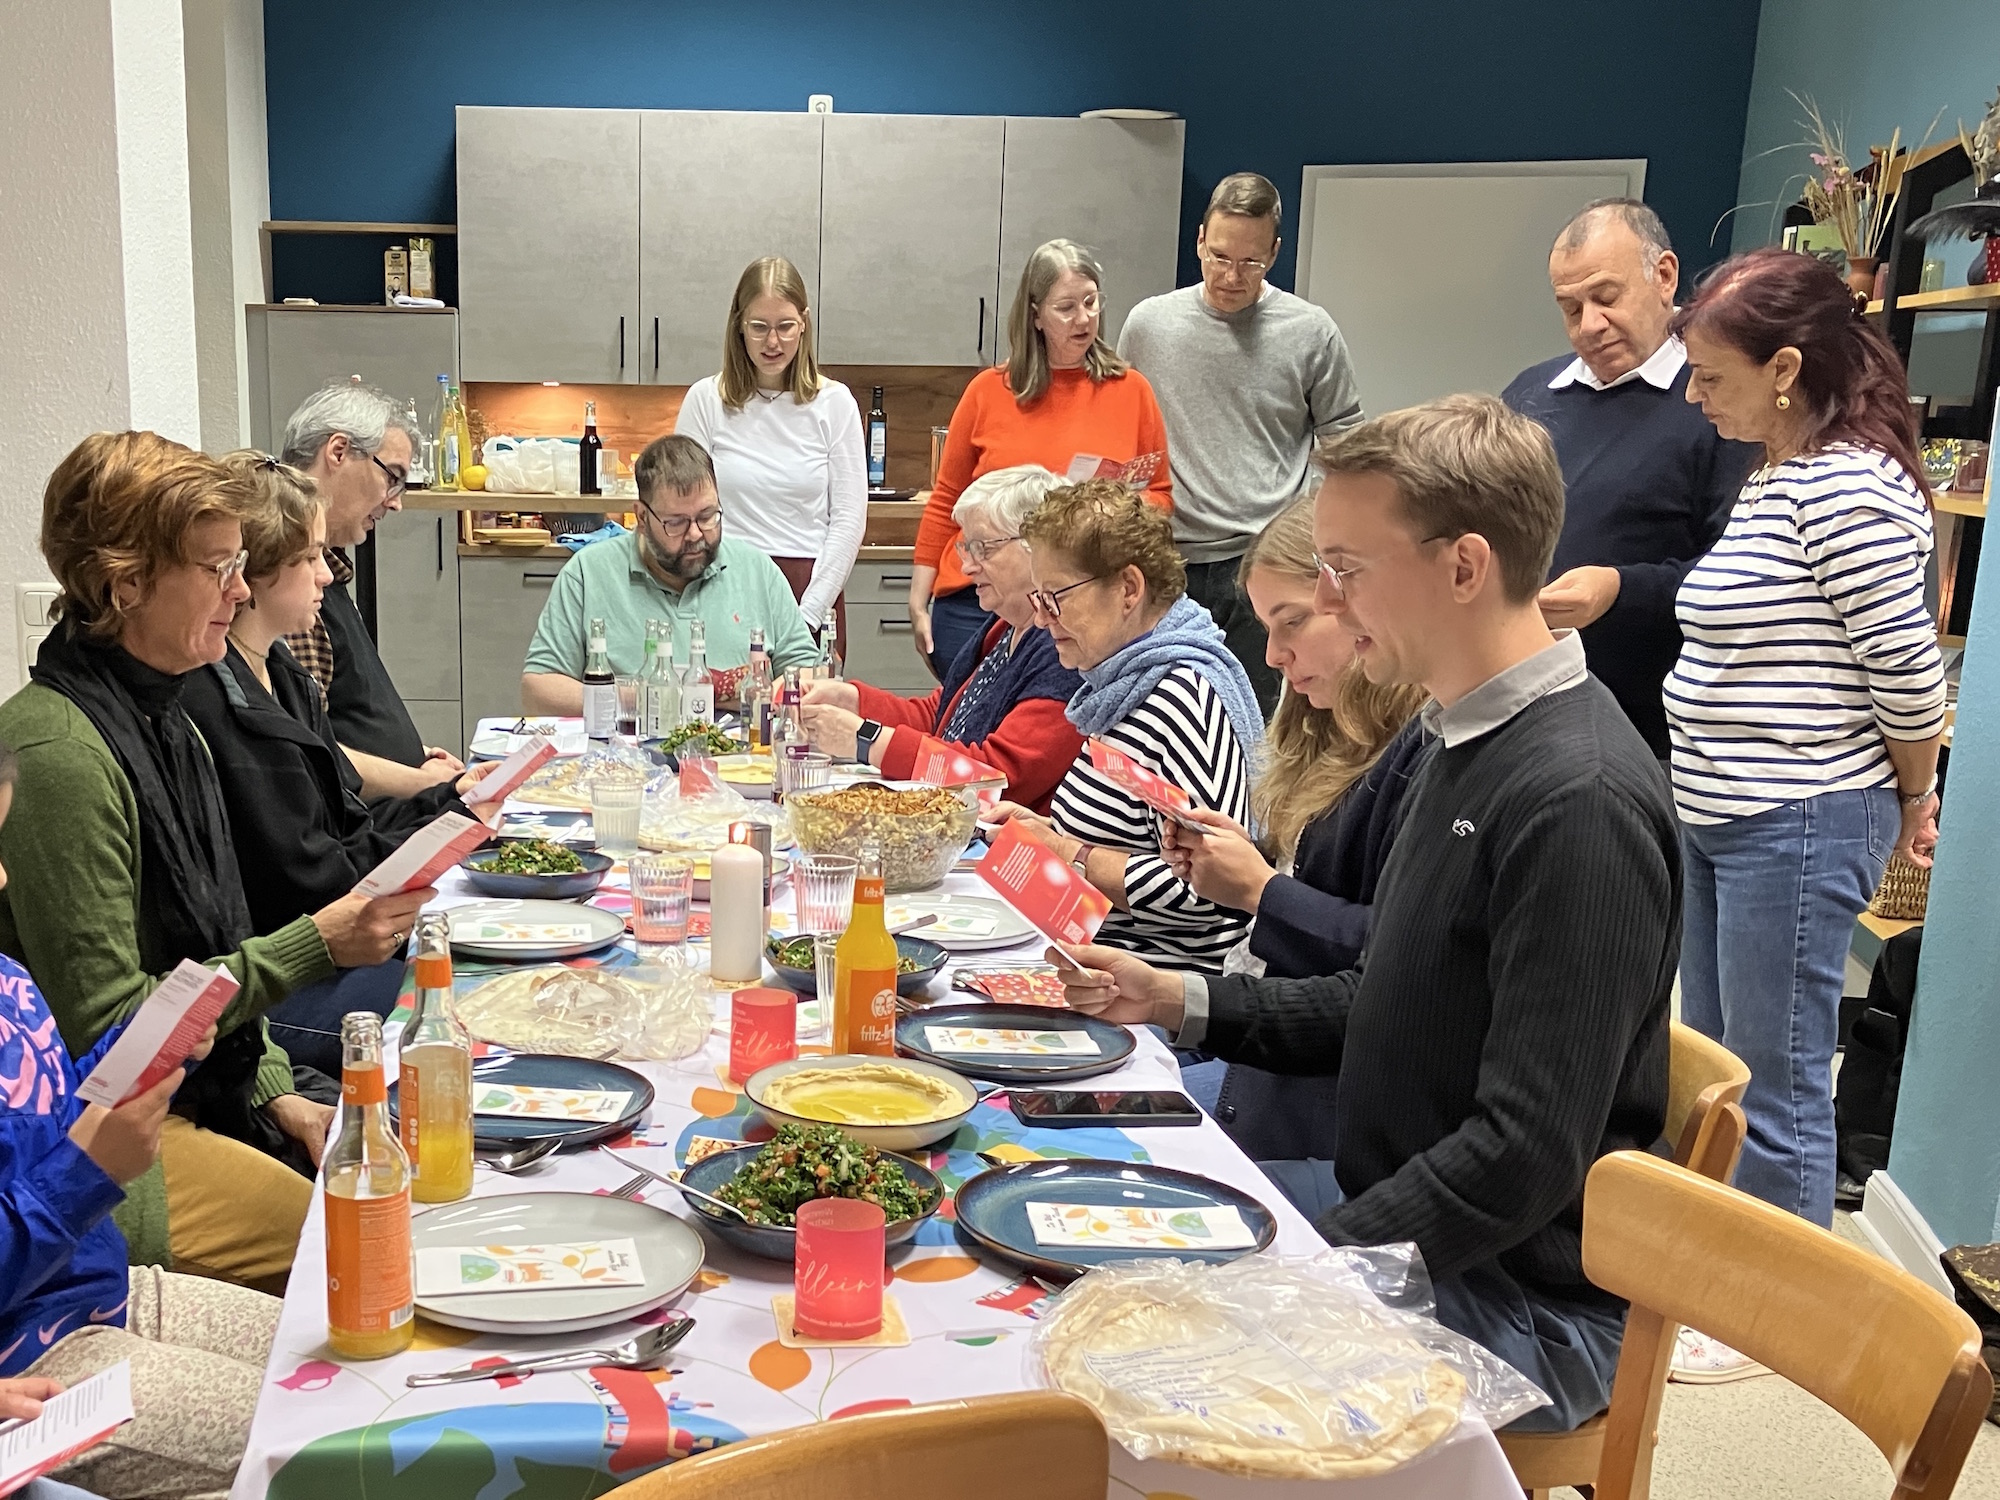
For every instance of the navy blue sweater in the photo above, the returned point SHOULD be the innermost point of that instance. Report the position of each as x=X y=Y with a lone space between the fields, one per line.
x=1648 y=485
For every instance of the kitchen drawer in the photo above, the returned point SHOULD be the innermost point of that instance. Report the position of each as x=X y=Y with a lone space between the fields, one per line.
x=500 y=602
x=880 y=583
x=882 y=648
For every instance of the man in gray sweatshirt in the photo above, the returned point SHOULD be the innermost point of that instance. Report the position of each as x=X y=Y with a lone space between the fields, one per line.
x=1248 y=378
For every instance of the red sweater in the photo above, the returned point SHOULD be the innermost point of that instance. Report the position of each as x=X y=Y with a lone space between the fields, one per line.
x=1116 y=419
x=1035 y=744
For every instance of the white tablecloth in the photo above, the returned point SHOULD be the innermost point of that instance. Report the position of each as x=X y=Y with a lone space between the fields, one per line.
x=326 y=1428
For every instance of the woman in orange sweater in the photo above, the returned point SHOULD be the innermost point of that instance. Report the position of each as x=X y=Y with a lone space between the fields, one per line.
x=1063 y=392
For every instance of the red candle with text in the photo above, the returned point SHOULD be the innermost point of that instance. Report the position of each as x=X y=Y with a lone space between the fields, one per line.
x=763 y=1029
x=837 y=1276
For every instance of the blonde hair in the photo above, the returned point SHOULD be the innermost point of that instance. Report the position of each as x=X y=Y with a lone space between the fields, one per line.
x=1104 y=528
x=277 y=529
x=1028 y=359
x=1313 y=755
x=772 y=276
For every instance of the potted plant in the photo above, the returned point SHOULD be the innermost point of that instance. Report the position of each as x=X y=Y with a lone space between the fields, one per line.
x=1857 y=204
x=1980 y=218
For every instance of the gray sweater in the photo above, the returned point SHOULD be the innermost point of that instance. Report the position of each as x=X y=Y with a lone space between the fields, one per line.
x=1244 y=396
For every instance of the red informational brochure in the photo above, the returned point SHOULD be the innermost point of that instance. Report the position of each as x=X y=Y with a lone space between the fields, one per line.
x=1033 y=879
x=504 y=779
x=158 y=1039
x=1138 y=472
x=74 y=1422
x=943 y=764
x=1149 y=786
x=426 y=855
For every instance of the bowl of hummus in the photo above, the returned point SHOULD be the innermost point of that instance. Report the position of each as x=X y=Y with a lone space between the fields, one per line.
x=890 y=1103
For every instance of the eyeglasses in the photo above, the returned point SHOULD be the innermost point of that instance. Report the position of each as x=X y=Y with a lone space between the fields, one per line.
x=788 y=331
x=1336 y=578
x=978 y=552
x=1071 y=312
x=1225 y=265
x=1049 y=601
x=397 y=482
x=227 y=571
x=676 y=529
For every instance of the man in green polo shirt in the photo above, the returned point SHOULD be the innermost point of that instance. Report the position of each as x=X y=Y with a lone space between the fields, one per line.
x=676 y=567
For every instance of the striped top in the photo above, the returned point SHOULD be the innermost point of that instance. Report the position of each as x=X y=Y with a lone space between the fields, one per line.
x=1182 y=732
x=1807 y=642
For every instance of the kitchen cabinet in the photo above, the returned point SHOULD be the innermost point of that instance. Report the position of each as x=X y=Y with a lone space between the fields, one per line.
x=1112 y=185
x=718 y=189
x=500 y=603
x=881 y=644
x=910 y=239
x=293 y=351
x=548 y=243
x=416 y=618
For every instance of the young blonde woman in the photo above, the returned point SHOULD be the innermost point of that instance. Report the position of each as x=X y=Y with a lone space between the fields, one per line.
x=789 y=465
x=1338 y=757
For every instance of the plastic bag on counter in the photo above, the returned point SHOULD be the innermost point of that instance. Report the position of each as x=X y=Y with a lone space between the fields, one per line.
x=658 y=1009
x=528 y=466
x=1274 y=1369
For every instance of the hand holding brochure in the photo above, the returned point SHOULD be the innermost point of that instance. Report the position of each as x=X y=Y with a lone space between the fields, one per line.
x=504 y=779
x=1033 y=879
x=80 y=1418
x=1149 y=786
x=425 y=855
x=158 y=1039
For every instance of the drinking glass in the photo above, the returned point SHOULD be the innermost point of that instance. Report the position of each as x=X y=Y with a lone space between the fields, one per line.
x=816 y=1015
x=763 y=1029
x=662 y=888
x=837 y=1277
x=823 y=890
x=614 y=815
x=811 y=772
x=628 y=706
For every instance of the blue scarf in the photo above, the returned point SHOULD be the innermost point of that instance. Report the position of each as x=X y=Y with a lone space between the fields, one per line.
x=1186 y=636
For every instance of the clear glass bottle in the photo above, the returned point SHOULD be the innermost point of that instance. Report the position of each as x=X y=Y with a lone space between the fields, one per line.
x=444 y=467
x=434 y=1076
x=697 y=685
x=420 y=446
x=757 y=691
x=370 y=1311
x=660 y=692
x=788 y=731
x=600 y=687
x=830 y=667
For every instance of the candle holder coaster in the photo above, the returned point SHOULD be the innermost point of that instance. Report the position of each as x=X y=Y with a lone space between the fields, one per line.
x=893 y=1334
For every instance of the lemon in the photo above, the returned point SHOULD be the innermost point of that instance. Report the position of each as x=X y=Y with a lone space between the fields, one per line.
x=474 y=478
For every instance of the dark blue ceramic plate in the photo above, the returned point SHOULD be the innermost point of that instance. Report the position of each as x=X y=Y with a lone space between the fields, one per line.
x=535 y=887
x=928 y=957
x=1114 y=1043
x=772 y=1241
x=992 y=1210
x=534 y=1070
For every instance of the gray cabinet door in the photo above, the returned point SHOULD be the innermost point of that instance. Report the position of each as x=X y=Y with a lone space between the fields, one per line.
x=293 y=351
x=1114 y=185
x=718 y=189
x=548 y=243
x=881 y=646
x=500 y=603
x=416 y=602
x=910 y=239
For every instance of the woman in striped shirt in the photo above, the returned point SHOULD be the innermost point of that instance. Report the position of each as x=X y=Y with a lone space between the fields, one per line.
x=1808 y=701
x=1160 y=684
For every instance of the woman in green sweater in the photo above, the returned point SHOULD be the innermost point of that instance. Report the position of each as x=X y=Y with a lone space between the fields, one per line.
x=121 y=849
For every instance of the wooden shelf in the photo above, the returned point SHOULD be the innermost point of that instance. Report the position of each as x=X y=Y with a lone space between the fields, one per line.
x=345 y=307
x=1955 y=504
x=1948 y=297
x=1885 y=927
x=352 y=226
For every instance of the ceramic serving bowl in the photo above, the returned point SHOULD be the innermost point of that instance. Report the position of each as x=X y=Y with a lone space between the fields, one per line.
x=776 y=1242
x=488 y=881
x=926 y=955
x=882 y=1137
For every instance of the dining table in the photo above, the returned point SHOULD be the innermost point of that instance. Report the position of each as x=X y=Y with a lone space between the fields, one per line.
x=328 y=1428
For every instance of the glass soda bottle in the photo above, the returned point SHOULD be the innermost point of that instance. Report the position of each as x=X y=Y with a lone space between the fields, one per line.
x=830 y=665
x=864 y=985
x=660 y=693
x=600 y=687
x=369 y=1263
x=697 y=684
x=435 y=1076
x=757 y=691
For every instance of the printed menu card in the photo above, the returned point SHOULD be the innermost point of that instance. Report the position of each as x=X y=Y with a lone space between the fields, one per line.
x=158 y=1039
x=1034 y=880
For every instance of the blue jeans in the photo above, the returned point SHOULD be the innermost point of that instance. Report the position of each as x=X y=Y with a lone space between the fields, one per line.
x=1569 y=1349
x=1770 y=908
x=306 y=1023
x=955 y=619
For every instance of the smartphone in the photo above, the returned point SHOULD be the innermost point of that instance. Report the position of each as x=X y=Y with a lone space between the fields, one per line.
x=1057 y=1108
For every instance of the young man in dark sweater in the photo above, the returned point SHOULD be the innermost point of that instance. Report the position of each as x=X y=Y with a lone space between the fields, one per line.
x=1648 y=481
x=1507 y=1022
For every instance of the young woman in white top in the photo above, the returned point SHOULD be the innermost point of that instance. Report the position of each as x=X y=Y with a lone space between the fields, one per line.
x=1808 y=701
x=789 y=466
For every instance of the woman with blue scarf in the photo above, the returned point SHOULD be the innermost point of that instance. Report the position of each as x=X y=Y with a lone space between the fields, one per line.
x=1159 y=684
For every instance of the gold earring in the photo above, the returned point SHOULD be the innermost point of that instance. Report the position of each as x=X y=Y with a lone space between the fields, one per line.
x=1784 y=403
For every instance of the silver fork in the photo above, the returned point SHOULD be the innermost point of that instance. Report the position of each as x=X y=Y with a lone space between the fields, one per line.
x=649 y=1348
x=634 y=1188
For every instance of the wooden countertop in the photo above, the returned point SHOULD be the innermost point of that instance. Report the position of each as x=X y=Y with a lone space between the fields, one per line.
x=869 y=554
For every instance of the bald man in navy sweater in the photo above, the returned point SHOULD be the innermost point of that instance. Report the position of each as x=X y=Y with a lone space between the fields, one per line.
x=1648 y=481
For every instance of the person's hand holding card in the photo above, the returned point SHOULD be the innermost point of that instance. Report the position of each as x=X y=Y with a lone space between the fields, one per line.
x=1116 y=986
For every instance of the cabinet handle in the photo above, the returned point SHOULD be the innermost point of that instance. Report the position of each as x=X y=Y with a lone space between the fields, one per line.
x=621 y=346
x=982 y=328
x=440 y=539
x=897 y=580
x=529 y=580
x=894 y=627
x=656 y=346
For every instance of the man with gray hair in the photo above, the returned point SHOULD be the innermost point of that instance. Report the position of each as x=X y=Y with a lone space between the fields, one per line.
x=1248 y=378
x=1649 y=483
x=352 y=440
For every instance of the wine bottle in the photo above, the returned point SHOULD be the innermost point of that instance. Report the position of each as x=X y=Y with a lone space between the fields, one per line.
x=600 y=687
x=697 y=686
x=878 y=443
x=587 y=451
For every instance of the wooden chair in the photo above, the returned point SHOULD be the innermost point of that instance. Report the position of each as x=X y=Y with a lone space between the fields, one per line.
x=1888 y=1353
x=1039 y=1443
x=1705 y=1081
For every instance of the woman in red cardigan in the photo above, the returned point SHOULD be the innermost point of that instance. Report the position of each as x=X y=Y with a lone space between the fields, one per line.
x=1002 y=699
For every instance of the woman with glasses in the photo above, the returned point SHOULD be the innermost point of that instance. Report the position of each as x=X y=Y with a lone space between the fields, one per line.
x=786 y=440
x=1003 y=700
x=1063 y=394
x=119 y=847
x=1160 y=685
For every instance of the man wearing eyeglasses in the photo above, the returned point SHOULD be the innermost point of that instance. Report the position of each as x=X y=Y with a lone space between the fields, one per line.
x=1248 y=378
x=677 y=567
x=350 y=438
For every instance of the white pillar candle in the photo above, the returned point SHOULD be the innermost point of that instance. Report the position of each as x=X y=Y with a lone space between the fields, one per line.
x=736 y=910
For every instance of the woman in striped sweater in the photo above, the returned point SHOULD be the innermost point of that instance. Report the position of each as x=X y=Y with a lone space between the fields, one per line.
x=1160 y=684
x=1808 y=701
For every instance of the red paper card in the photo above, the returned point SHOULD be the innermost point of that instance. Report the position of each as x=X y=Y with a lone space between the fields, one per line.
x=1148 y=785
x=505 y=778
x=1034 y=880
x=943 y=764
x=1138 y=472
x=159 y=1038
x=426 y=855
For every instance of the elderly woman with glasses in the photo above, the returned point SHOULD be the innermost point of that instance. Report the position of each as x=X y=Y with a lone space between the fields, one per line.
x=120 y=853
x=1064 y=394
x=785 y=439
x=1003 y=700
x=1159 y=685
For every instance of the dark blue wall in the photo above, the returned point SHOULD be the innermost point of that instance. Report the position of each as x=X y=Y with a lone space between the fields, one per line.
x=361 y=91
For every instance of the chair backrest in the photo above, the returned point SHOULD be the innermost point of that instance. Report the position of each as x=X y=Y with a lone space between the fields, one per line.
x=1705 y=1083
x=1039 y=1443
x=1888 y=1353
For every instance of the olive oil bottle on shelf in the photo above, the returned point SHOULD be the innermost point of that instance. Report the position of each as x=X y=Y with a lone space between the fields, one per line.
x=434 y=1076
x=370 y=1309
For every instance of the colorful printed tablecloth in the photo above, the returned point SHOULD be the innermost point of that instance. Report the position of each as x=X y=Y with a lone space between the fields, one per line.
x=332 y=1430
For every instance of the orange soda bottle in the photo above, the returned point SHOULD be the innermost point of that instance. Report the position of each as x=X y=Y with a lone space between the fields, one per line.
x=369 y=1263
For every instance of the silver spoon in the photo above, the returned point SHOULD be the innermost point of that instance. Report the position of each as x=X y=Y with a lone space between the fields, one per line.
x=519 y=1158
x=643 y=1352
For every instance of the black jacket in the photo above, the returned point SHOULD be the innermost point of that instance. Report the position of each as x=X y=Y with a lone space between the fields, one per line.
x=1315 y=921
x=303 y=835
x=363 y=703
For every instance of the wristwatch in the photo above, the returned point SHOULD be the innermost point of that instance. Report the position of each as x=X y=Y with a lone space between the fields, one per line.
x=864 y=740
x=1081 y=864
x=1911 y=799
